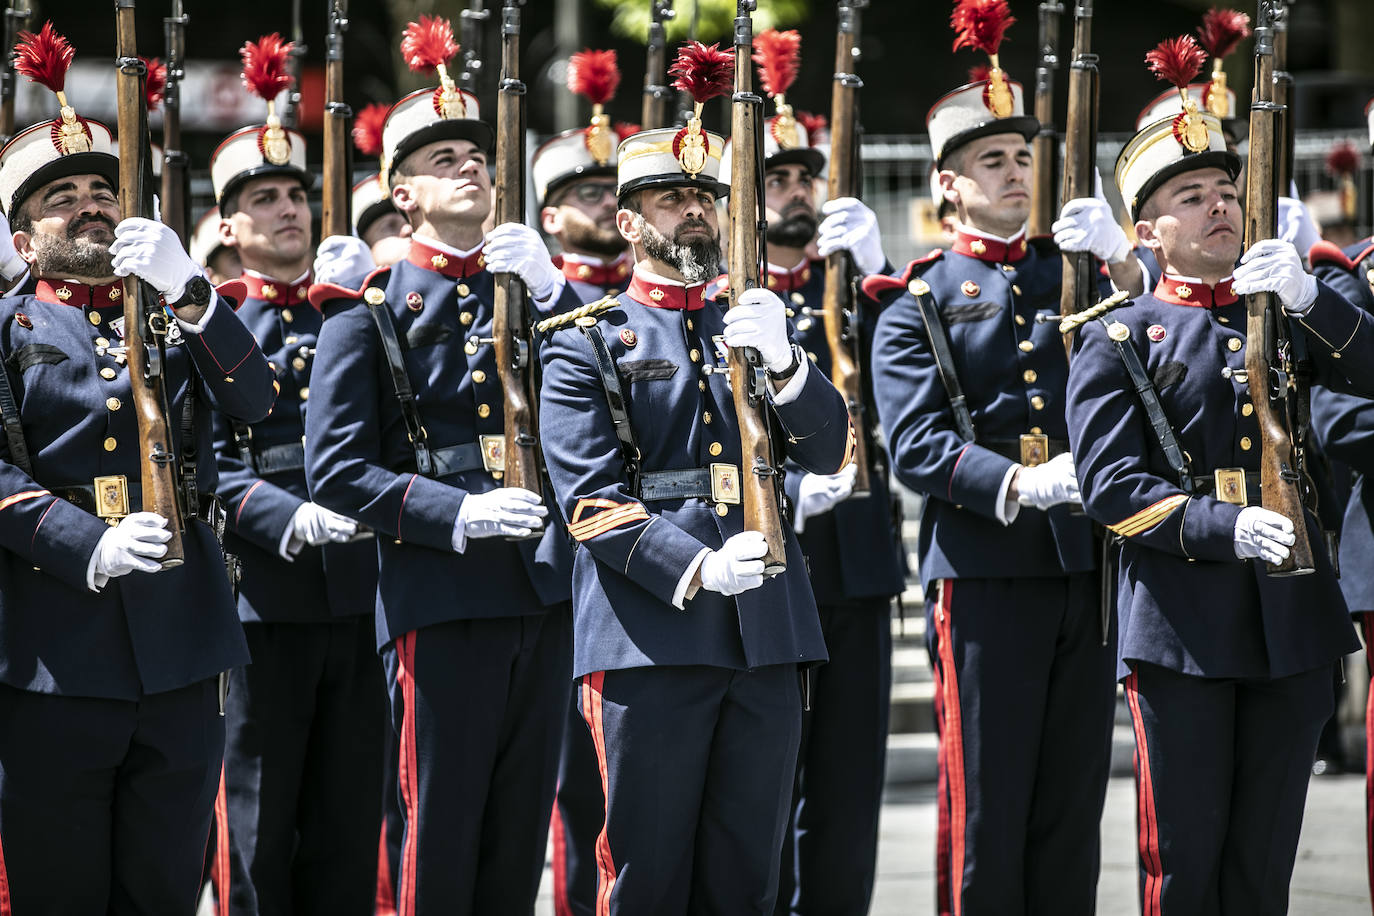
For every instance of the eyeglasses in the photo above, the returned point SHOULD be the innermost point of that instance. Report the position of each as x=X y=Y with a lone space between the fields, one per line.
x=589 y=192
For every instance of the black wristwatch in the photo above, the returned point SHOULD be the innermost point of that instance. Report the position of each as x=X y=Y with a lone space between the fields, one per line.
x=791 y=369
x=198 y=293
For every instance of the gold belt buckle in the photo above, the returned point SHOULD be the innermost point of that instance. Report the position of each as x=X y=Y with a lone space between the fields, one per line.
x=112 y=497
x=725 y=484
x=1035 y=449
x=493 y=452
x=1230 y=485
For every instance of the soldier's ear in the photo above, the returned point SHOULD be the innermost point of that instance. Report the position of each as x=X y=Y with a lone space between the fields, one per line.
x=1145 y=234
x=403 y=200
x=226 y=233
x=551 y=220
x=625 y=221
x=23 y=243
x=947 y=177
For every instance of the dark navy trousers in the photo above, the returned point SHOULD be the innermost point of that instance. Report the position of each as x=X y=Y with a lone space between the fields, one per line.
x=830 y=849
x=479 y=707
x=698 y=764
x=1025 y=698
x=303 y=768
x=1222 y=767
x=579 y=813
x=105 y=805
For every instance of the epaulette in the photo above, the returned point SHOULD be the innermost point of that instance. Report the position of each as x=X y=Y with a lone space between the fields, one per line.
x=1078 y=319
x=320 y=293
x=878 y=286
x=576 y=316
x=1324 y=252
x=234 y=290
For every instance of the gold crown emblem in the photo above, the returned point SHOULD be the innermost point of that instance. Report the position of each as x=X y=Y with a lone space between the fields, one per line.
x=599 y=137
x=448 y=101
x=273 y=142
x=997 y=95
x=70 y=135
x=1189 y=129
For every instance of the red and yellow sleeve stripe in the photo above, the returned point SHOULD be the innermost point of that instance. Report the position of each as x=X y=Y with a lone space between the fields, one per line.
x=603 y=515
x=21 y=497
x=1148 y=517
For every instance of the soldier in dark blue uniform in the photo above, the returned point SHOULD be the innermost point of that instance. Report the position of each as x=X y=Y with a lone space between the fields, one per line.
x=853 y=553
x=305 y=720
x=969 y=378
x=687 y=656
x=405 y=434
x=574 y=177
x=1227 y=669
x=111 y=733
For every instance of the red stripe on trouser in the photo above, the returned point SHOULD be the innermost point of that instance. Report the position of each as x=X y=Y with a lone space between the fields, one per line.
x=560 y=861
x=4 y=885
x=219 y=871
x=405 y=770
x=605 y=866
x=384 y=903
x=1148 y=823
x=951 y=746
x=942 y=893
x=1367 y=628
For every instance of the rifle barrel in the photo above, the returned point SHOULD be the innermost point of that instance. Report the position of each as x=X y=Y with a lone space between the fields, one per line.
x=1080 y=154
x=334 y=203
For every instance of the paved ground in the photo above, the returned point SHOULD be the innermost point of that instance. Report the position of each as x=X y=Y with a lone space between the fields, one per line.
x=1329 y=879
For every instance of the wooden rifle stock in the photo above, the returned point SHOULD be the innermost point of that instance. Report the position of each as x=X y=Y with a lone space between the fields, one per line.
x=759 y=474
x=176 y=179
x=334 y=198
x=1080 y=154
x=1269 y=375
x=16 y=20
x=654 y=107
x=1046 y=142
x=838 y=302
x=511 y=320
x=145 y=319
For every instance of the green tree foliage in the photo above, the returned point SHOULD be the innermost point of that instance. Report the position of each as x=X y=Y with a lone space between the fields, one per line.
x=715 y=17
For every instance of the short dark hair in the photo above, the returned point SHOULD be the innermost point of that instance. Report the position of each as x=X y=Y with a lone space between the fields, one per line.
x=634 y=202
x=21 y=220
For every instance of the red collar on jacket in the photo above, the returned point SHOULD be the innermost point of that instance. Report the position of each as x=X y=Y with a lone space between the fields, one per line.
x=994 y=251
x=452 y=266
x=603 y=275
x=783 y=282
x=68 y=292
x=275 y=292
x=666 y=295
x=1177 y=291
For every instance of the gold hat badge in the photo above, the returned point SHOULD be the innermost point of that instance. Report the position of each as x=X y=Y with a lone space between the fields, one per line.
x=266 y=74
x=704 y=71
x=45 y=58
x=1220 y=32
x=981 y=25
x=428 y=45
x=778 y=55
x=595 y=76
x=1179 y=61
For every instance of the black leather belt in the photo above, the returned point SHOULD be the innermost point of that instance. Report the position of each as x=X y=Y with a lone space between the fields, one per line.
x=456 y=459
x=287 y=457
x=1011 y=448
x=686 y=483
x=82 y=496
x=1207 y=486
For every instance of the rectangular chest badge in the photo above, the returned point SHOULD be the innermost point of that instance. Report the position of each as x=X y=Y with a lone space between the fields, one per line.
x=493 y=452
x=112 y=497
x=1035 y=449
x=725 y=484
x=1230 y=485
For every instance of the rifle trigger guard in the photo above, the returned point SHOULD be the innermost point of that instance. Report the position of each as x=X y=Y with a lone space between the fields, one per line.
x=1278 y=384
x=520 y=354
x=152 y=362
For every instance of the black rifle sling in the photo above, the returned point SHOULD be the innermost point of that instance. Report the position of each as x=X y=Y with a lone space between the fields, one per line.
x=615 y=401
x=14 y=430
x=1154 y=410
x=944 y=363
x=405 y=396
x=189 y=446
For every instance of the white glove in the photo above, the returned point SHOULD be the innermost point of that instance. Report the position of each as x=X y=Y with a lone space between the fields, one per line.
x=134 y=544
x=1296 y=224
x=1048 y=484
x=315 y=525
x=1087 y=224
x=1274 y=266
x=737 y=566
x=152 y=251
x=851 y=226
x=518 y=249
x=1264 y=534
x=510 y=512
x=341 y=257
x=759 y=320
x=818 y=493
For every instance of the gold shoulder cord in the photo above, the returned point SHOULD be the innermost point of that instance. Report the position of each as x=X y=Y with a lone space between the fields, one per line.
x=590 y=310
x=1078 y=319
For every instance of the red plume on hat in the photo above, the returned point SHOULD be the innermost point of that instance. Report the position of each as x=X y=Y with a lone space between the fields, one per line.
x=1220 y=32
x=982 y=25
x=1342 y=162
x=595 y=76
x=45 y=58
x=428 y=45
x=1179 y=61
x=265 y=74
x=155 y=82
x=778 y=55
x=367 y=129
x=705 y=72
x=624 y=129
x=813 y=123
